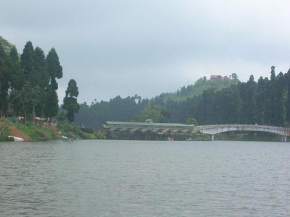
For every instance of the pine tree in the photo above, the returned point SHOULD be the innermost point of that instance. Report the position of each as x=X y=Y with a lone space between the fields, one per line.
x=70 y=103
x=53 y=65
x=17 y=77
x=27 y=59
x=41 y=80
x=54 y=71
x=4 y=81
x=288 y=96
x=281 y=99
x=41 y=76
x=51 y=103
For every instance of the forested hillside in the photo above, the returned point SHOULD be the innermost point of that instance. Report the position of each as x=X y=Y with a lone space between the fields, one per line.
x=197 y=89
x=208 y=101
x=119 y=109
x=266 y=101
x=137 y=109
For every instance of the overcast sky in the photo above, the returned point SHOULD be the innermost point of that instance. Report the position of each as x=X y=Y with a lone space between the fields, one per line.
x=145 y=47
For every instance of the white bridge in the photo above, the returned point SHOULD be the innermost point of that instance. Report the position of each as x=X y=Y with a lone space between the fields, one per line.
x=170 y=128
x=215 y=129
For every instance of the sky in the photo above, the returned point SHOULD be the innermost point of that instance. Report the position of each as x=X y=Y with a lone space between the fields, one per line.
x=146 y=47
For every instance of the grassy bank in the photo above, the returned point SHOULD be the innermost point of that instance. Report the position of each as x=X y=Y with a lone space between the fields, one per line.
x=71 y=131
x=36 y=132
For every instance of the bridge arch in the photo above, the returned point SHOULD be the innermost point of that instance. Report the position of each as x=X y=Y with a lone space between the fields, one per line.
x=216 y=129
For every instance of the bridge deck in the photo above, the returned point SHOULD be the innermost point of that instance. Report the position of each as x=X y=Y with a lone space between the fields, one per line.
x=206 y=129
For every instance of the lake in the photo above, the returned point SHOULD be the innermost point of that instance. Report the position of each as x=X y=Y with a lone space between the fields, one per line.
x=144 y=179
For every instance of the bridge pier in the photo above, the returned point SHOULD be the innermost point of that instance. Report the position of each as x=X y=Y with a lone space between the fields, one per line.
x=212 y=137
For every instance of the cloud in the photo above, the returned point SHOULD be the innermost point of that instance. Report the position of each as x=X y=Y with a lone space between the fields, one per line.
x=125 y=47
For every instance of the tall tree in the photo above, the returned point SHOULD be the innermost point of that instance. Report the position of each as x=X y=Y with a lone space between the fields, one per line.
x=27 y=60
x=288 y=96
x=41 y=76
x=4 y=81
x=281 y=100
x=17 y=76
x=70 y=103
x=248 y=93
x=40 y=80
x=53 y=65
x=51 y=103
x=261 y=100
x=54 y=70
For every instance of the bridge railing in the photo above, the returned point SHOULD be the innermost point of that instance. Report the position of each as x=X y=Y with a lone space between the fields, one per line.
x=207 y=129
x=213 y=129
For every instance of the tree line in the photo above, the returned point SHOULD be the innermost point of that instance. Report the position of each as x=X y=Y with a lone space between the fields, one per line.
x=117 y=109
x=28 y=83
x=265 y=101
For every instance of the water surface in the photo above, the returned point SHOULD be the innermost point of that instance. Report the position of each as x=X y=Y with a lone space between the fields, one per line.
x=144 y=178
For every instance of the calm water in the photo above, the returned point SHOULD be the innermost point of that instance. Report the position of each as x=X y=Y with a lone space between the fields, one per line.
x=142 y=179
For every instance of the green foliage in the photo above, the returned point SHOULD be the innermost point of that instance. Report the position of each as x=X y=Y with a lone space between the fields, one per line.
x=28 y=84
x=4 y=81
x=16 y=74
x=251 y=102
x=171 y=107
x=51 y=103
x=36 y=133
x=27 y=59
x=53 y=65
x=191 y=121
x=118 y=109
x=4 y=133
x=215 y=101
x=196 y=89
x=72 y=89
x=6 y=45
x=70 y=103
x=152 y=112
x=72 y=131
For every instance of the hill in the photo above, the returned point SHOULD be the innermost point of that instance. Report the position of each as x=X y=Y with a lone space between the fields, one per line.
x=159 y=107
x=196 y=89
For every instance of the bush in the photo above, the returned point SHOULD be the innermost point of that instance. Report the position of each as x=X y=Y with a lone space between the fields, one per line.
x=4 y=133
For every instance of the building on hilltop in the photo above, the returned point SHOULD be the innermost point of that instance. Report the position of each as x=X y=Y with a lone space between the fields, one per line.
x=220 y=77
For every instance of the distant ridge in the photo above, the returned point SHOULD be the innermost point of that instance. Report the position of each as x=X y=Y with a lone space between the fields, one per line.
x=214 y=82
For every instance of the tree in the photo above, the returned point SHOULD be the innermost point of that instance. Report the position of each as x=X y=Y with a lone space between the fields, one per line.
x=288 y=95
x=41 y=76
x=191 y=121
x=234 y=76
x=28 y=82
x=70 y=103
x=261 y=100
x=152 y=112
x=51 y=103
x=27 y=59
x=54 y=71
x=4 y=81
x=281 y=100
x=40 y=81
x=17 y=76
x=248 y=92
x=53 y=65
